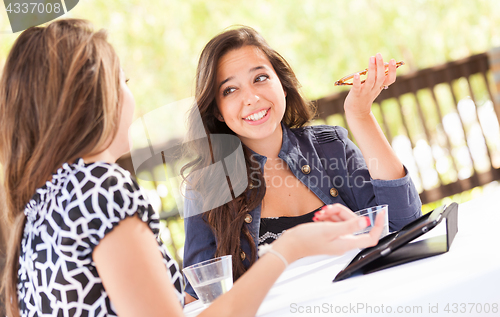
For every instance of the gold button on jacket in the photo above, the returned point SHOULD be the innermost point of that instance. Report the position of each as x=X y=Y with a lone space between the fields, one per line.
x=334 y=192
x=248 y=218
x=243 y=256
x=306 y=169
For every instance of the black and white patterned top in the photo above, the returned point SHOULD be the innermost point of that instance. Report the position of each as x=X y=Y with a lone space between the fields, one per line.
x=273 y=227
x=66 y=219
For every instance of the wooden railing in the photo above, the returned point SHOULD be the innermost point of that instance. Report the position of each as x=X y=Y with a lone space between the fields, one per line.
x=410 y=87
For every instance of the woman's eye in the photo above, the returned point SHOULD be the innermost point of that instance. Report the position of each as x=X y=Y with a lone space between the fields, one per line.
x=227 y=91
x=261 y=78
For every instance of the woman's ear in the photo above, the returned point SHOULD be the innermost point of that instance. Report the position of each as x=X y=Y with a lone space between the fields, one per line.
x=218 y=115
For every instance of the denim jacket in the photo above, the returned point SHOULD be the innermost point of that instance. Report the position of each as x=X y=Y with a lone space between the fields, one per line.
x=333 y=168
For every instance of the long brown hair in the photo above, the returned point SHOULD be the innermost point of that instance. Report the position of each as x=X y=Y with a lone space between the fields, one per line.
x=227 y=221
x=59 y=100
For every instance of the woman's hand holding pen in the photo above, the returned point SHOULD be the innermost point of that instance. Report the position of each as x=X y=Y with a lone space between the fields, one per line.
x=361 y=96
x=380 y=159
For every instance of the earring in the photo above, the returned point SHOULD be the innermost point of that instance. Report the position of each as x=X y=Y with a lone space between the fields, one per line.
x=221 y=118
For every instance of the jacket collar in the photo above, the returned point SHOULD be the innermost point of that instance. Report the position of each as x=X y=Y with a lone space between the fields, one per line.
x=287 y=150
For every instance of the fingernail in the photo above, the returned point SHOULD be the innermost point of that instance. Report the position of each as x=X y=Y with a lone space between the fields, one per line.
x=368 y=221
x=364 y=222
x=372 y=60
x=379 y=56
x=393 y=62
x=324 y=208
x=315 y=218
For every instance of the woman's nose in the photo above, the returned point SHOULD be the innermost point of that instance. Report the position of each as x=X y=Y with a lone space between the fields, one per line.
x=250 y=97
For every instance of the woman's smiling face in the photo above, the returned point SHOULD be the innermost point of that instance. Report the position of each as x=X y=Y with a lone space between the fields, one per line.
x=249 y=94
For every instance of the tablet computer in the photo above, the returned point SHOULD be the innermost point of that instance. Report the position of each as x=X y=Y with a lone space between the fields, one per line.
x=394 y=241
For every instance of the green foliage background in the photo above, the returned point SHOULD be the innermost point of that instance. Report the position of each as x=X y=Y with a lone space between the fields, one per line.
x=159 y=41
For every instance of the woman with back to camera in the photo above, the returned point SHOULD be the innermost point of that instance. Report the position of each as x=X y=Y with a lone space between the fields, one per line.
x=85 y=238
x=247 y=89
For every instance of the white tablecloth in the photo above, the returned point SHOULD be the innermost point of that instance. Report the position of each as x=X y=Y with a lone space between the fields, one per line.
x=463 y=282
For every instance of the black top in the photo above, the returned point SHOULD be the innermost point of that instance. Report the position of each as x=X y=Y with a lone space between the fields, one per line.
x=272 y=228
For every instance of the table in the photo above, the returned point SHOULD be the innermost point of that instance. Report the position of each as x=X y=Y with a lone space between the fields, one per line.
x=463 y=282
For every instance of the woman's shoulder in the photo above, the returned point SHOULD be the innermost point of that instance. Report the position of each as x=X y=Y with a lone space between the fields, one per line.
x=103 y=194
x=102 y=188
x=322 y=133
x=92 y=176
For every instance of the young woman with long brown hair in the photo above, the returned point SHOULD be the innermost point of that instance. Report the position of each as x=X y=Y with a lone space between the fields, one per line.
x=247 y=89
x=84 y=237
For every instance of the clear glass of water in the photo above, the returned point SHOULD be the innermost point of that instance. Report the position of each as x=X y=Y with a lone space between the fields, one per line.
x=211 y=278
x=371 y=213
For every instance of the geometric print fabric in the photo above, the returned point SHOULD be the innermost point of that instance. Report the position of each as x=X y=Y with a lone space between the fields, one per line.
x=65 y=220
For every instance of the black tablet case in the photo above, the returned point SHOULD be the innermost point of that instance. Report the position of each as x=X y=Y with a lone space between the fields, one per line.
x=420 y=249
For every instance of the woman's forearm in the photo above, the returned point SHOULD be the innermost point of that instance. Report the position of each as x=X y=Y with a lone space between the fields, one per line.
x=380 y=158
